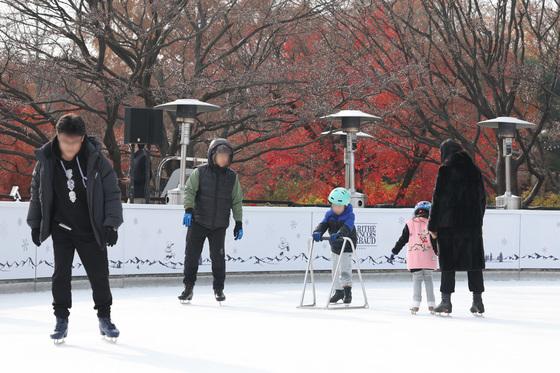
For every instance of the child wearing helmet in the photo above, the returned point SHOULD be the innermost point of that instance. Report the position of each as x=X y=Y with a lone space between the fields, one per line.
x=339 y=221
x=421 y=256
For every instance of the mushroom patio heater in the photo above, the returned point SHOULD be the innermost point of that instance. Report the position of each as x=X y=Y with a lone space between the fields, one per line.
x=351 y=121
x=185 y=111
x=506 y=127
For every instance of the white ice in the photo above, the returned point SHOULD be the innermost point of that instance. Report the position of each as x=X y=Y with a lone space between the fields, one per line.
x=259 y=329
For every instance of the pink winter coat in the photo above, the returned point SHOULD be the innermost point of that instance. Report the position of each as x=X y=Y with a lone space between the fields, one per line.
x=420 y=253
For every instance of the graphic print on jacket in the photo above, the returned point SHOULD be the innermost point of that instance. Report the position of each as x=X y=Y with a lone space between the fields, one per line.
x=420 y=253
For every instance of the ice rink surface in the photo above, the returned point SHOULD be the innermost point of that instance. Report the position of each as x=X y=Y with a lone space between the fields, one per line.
x=259 y=329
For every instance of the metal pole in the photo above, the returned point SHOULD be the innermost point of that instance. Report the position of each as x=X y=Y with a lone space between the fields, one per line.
x=354 y=256
x=131 y=175
x=350 y=162
x=185 y=139
x=508 y=175
x=147 y=172
x=308 y=272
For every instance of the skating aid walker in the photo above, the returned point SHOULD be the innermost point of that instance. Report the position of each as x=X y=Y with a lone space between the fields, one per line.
x=309 y=273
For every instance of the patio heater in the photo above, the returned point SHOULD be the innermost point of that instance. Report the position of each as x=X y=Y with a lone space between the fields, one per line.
x=351 y=121
x=506 y=127
x=185 y=111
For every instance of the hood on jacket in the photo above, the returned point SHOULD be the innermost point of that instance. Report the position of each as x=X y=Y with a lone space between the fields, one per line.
x=448 y=148
x=214 y=145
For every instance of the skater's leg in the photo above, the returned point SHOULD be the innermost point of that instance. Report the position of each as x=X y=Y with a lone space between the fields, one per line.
x=96 y=264
x=417 y=288
x=476 y=281
x=63 y=249
x=447 y=287
x=429 y=284
x=195 y=241
x=447 y=282
x=346 y=276
x=346 y=270
x=216 y=240
x=335 y=276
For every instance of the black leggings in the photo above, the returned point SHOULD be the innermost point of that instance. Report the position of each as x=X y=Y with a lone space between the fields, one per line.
x=475 y=278
x=196 y=236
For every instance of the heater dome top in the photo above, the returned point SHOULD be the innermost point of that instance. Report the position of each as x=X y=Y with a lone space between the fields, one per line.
x=352 y=114
x=201 y=106
x=342 y=133
x=494 y=123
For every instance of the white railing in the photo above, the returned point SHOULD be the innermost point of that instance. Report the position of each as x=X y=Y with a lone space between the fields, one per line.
x=152 y=241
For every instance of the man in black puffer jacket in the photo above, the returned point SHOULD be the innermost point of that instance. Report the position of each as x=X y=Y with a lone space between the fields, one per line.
x=75 y=198
x=211 y=192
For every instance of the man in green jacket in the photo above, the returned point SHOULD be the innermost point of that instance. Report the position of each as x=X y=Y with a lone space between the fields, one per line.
x=211 y=192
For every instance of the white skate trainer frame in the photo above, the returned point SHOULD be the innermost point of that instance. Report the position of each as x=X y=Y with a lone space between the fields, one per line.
x=309 y=273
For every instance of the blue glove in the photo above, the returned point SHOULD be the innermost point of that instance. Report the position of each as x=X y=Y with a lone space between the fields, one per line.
x=317 y=236
x=238 y=230
x=187 y=219
x=335 y=236
x=239 y=234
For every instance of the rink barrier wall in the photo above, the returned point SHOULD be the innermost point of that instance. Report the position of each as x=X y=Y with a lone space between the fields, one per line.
x=276 y=239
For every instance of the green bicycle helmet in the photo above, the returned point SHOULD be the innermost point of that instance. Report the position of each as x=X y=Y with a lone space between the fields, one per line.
x=339 y=196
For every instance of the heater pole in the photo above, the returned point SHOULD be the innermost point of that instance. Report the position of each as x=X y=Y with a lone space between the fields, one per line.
x=350 y=184
x=508 y=169
x=185 y=139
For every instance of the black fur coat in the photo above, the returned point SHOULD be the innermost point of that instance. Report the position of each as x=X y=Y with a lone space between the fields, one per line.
x=458 y=206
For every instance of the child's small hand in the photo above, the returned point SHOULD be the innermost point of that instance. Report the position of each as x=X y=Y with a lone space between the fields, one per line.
x=317 y=236
x=335 y=236
x=433 y=234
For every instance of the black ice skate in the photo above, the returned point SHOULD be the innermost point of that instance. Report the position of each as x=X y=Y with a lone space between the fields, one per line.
x=187 y=294
x=108 y=329
x=414 y=310
x=338 y=295
x=219 y=294
x=347 y=295
x=477 y=307
x=60 y=330
x=445 y=307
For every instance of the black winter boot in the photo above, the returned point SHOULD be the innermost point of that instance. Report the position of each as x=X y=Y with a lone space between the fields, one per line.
x=445 y=305
x=477 y=307
x=338 y=295
x=347 y=294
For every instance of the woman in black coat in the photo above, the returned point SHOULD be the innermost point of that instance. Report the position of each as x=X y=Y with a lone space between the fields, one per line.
x=458 y=207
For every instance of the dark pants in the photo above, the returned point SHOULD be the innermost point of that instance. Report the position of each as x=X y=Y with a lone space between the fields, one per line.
x=95 y=262
x=475 y=278
x=196 y=236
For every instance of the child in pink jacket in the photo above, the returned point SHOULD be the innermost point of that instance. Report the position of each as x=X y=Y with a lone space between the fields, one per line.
x=421 y=256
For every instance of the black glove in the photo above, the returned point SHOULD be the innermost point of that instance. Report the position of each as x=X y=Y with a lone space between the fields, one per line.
x=35 y=236
x=391 y=258
x=111 y=236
